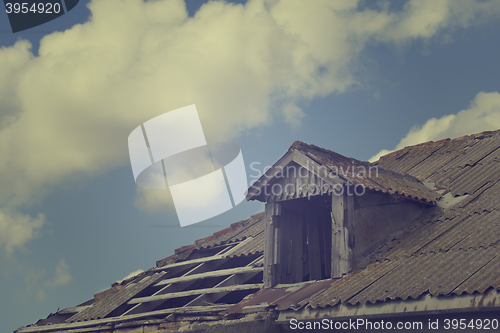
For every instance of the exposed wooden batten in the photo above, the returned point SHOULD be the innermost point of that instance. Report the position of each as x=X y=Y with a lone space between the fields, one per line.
x=222 y=272
x=190 y=262
x=195 y=292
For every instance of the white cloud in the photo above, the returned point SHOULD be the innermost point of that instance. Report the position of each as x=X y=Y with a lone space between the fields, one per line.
x=69 y=110
x=17 y=229
x=32 y=280
x=159 y=201
x=483 y=114
x=37 y=286
x=377 y=156
x=293 y=115
x=62 y=276
x=134 y=273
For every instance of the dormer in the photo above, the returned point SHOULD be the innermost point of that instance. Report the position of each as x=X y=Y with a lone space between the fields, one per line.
x=325 y=213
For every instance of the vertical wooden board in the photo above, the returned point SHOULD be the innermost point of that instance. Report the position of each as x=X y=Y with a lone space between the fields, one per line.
x=337 y=214
x=289 y=249
x=279 y=192
x=278 y=228
x=305 y=263
x=324 y=250
x=268 y=245
x=300 y=248
x=298 y=186
x=285 y=249
x=327 y=237
x=291 y=245
x=305 y=250
x=313 y=247
x=348 y=234
x=319 y=183
x=337 y=244
x=344 y=253
x=297 y=247
x=277 y=208
x=338 y=203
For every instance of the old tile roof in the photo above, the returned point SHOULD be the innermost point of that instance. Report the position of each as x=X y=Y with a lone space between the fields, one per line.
x=452 y=252
x=456 y=252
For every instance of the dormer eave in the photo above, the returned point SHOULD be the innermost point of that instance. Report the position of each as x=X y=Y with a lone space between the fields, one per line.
x=328 y=170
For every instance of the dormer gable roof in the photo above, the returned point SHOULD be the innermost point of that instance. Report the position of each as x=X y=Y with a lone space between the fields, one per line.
x=334 y=169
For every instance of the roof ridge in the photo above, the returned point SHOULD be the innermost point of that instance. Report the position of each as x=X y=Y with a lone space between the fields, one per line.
x=299 y=145
x=481 y=135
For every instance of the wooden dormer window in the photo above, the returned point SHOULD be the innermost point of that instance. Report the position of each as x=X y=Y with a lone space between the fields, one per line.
x=322 y=223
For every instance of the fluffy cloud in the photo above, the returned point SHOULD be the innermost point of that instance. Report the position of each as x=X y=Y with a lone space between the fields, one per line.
x=62 y=276
x=134 y=273
x=159 y=201
x=293 y=115
x=35 y=283
x=17 y=229
x=69 y=110
x=483 y=114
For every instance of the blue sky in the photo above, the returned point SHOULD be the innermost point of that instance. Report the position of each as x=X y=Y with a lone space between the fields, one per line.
x=354 y=77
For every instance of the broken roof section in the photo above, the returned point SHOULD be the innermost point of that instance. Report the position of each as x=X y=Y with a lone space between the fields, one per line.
x=326 y=170
x=251 y=231
x=447 y=261
x=206 y=277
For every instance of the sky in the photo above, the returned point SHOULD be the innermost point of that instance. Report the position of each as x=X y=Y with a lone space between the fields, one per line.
x=361 y=78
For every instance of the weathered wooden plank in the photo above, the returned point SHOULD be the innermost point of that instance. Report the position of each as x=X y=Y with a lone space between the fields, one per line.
x=316 y=168
x=278 y=226
x=348 y=234
x=286 y=249
x=198 y=318
x=229 y=281
x=200 y=268
x=304 y=252
x=256 y=190
x=190 y=262
x=342 y=221
x=337 y=234
x=222 y=272
x=325 y=251
x=299 y=182
x=194 y=292
x=313 y=248
x=278 y=229
x=297 y=263
x=169 y=288
x=327 y=244
x=105 y=321
x=302 y=247
x=269 y=246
